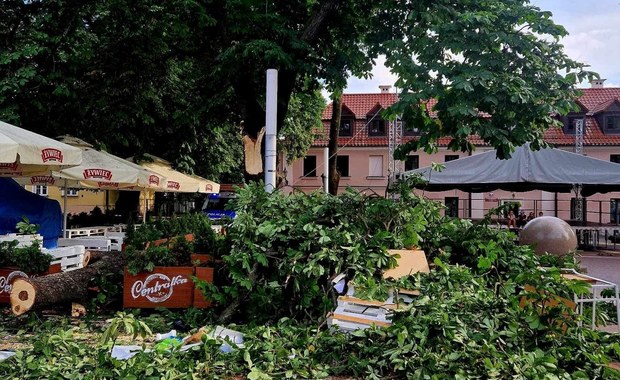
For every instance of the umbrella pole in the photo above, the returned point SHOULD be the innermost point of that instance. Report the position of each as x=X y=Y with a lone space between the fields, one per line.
x=145 y=207
x=64 y=211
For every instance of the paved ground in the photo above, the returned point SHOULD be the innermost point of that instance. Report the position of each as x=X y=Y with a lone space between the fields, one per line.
x=603 y=267
x=606 y=266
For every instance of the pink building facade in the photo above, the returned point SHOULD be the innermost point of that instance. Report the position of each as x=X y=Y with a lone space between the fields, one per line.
x=363 y=157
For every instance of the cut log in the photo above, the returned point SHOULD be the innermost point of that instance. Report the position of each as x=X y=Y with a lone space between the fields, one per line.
x=85 y=259
x=63 y=288
x=94 y=256
x=77 y=310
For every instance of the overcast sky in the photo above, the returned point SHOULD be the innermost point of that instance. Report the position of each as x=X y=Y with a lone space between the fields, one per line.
x=594 y=39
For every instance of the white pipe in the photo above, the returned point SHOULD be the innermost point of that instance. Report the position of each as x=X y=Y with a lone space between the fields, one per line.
x=326 y=170
x=271 y=120
x=64 y=212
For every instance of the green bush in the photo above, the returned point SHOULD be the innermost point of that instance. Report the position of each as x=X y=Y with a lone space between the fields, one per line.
x=28 y=259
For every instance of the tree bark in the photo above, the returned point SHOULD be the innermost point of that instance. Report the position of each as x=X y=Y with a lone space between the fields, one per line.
x=334 y=131
x=252 y=110
x=62 y=288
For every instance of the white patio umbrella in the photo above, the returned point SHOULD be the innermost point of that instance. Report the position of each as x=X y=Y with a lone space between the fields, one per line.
x=98 y=170
x=176 y=181
x=25 y=152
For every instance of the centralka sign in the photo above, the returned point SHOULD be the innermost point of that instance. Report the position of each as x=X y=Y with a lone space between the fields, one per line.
x=157 y=287
x=164 y=287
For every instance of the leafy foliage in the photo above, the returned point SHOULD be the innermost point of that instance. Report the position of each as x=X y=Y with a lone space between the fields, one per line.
x=26 y=228
x=28 y=259
x=486 y=310
x=144 y=256
x=287 y=248
x=179 y=77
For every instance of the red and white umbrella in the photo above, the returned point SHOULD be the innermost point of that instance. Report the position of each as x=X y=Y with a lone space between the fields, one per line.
x=23 y=152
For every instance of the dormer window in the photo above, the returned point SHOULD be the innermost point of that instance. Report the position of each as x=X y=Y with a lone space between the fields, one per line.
x=607 y=115
x=347 y=121
x=612 y=123
x=376 y=126
x=346 y=126
x=410 y=130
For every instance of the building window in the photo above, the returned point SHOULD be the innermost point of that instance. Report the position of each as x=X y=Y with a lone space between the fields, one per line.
x=451 y=157
x=614 y=210
x=342 y=165
x=375 y=166
x=452 y=206
x=346 y=127
x=70 y=192
x=310 y=166
x=410 y=130
x=612 y=123
x=376 y=126
x=614 y=158
x=40 y=190
x=412 y=162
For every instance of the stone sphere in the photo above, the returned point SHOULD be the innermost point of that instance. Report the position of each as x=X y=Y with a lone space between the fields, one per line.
x=549 y=234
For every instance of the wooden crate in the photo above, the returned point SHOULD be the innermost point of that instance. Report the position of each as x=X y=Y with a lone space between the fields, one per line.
x=205 y=274
x=170 y=287
x=200 y=259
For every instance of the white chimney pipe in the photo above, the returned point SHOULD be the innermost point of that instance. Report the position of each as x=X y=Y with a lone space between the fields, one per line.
x=597 y=83
x=271 y=120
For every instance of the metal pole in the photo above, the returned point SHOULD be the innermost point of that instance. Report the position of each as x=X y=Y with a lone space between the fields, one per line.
x=326 y=169
x=271 y=121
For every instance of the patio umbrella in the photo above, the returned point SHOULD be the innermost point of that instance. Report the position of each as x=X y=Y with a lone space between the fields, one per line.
x=177 y=181
x=22 y=151
x=98 y=170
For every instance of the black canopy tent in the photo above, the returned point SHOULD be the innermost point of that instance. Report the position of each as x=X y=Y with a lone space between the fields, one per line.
x=551 y=169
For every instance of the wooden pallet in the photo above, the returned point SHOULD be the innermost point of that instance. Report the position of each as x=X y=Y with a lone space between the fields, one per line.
x=22 y=240
x=354 y=313
x=69 y=258
x=91 y=243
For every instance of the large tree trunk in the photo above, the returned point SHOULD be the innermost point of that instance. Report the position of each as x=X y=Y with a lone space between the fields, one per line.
x=63 y=288
x=249 y=89
x=334 y=131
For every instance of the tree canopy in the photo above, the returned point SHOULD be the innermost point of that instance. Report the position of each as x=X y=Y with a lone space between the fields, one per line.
x=176 y=78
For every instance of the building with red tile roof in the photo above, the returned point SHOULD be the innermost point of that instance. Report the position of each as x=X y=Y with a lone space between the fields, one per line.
x=363 y=153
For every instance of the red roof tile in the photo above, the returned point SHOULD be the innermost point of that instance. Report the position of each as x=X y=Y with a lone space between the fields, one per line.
x=603 y=106
x=362 y=104
x=592 y=97
x=592 y=100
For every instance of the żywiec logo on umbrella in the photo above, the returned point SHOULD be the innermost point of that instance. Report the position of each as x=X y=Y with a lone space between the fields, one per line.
x=51 y=154
x=174 y=185
x=103 y=174
x=154 y=180
x=10 y=168
x=209 y=187
x=40 y=179
x=108 y=184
